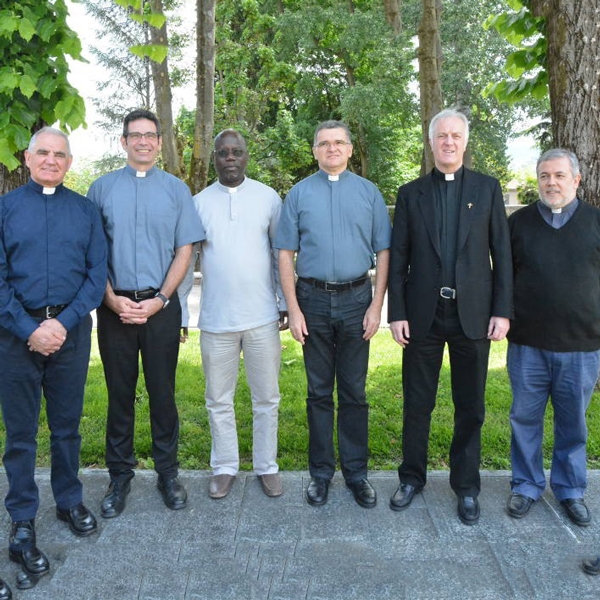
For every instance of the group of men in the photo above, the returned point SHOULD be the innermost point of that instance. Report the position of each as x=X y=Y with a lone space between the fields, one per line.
x=460 y=274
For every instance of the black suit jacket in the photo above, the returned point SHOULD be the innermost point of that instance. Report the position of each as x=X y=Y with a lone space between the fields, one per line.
x=483 y=258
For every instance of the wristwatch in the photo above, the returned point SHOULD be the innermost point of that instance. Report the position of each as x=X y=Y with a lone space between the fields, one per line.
x=164 y=299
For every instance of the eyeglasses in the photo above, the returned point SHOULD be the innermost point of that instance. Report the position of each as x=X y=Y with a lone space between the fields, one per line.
x=135 y=136
x=224 y=152
x=339 y=144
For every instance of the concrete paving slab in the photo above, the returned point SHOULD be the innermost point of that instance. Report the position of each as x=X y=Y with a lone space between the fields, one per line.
x=248 y=546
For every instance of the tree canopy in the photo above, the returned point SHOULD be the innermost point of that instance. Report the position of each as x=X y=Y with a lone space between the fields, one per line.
x=35 y=41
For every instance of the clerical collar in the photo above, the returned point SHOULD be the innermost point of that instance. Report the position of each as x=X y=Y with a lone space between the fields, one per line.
x=567 y=209
x=140 y=174
x=439 y=176
x=48 y=191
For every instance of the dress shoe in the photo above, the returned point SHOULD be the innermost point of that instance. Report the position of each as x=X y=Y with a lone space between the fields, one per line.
x=577 y=511
x=403 y=496
x=468 y=510
x=5 y=592
x=173 y=493
x=113 y=503
x=363 y=492
x=591 y=566
x=220 y=485
x=271 y=484
x=518 y=505
x=317 y=490
x=81 y=521
x=22 y=549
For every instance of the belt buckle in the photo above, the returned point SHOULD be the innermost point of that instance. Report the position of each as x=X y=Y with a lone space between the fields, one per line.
x=135 y=294
x=448 y=293
x=49 y=312
x=328 y=289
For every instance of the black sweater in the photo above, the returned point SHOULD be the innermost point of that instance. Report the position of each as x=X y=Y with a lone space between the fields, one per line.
x=557 y=280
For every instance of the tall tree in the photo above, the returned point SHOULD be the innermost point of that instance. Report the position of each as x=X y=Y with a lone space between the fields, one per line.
x=205 y=73
x=557 y=53
x=572 y=63
x=430 y=73
x=34 y=89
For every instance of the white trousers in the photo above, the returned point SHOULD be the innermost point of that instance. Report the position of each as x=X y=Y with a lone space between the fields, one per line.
x=220 y=359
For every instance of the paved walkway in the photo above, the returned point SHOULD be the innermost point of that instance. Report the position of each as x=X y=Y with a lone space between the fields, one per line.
x=250 y=547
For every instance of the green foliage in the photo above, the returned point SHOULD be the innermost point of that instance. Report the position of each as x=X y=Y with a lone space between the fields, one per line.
x=384 y=393
x=525 y=65
x=34 y=90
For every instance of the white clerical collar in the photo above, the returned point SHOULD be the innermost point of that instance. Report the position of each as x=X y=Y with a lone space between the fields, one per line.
x=232 y=190
x=449 y=176
x=140 y=173
x=333 y=177
x=556 y=211
x=48 y=191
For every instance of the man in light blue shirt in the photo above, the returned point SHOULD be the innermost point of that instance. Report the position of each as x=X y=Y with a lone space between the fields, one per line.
x=150 y=225
x=335 y=222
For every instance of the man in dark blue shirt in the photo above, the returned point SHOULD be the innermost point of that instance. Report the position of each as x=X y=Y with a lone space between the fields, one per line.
x=52 y=275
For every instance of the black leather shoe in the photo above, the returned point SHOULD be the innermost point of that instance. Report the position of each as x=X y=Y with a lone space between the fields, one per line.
x=591 y=566
x=468 y=510
x=403 y=496
x=577 y=511
x=23 y=550
x=363 y=493
x=81 y=521
x=5 y=592
x=113 y=503
x=173 y=493
x=317 y=490
x=518 y=505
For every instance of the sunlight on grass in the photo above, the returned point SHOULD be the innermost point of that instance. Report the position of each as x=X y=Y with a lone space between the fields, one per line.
x=384 y=393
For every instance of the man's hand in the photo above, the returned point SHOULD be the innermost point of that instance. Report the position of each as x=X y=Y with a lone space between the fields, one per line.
x=48 y=338
x=297 y=326
x=498 y=328
x=137 y=313
x=400 y=332
x=371 y=321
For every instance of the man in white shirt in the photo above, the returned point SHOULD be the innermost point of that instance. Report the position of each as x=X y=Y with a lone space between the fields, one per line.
x=240 y=312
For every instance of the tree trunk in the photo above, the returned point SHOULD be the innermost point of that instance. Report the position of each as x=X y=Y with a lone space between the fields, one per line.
x=9 y=180
x=574 y=80
x=164 y=98
x=430 y=66
x=393 y=14
x=205 y=94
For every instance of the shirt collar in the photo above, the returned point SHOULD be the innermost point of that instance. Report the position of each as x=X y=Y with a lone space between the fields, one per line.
x=227 y=189
x=326 y=176
x=36 y=187
x=134 y=172
x=439 y=176
x=567 y=210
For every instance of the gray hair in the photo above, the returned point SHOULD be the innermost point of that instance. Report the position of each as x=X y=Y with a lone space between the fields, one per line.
x=555 y=153
x=447 y=114
x=331 y=124
x=50 y=131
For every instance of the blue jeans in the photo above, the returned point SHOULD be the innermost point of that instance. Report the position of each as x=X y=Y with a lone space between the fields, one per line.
x=335 y=351
x=61 y=377
x=568 y=379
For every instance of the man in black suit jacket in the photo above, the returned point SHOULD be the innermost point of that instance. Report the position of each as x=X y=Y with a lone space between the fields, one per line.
x=450 y=283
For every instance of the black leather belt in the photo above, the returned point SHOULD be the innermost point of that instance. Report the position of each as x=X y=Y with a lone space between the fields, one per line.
x=46 y=312
x=448 y=293
x=137 y=294
x=334 y=286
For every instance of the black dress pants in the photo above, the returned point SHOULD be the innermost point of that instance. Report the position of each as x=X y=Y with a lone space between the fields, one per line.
x=336 y=353
x=157 y=341
x=421 y=365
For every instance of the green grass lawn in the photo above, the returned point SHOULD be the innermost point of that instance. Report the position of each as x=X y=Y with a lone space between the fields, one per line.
x=383 y=391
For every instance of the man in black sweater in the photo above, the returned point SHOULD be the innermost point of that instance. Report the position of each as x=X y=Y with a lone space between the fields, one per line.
x=554 y=340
